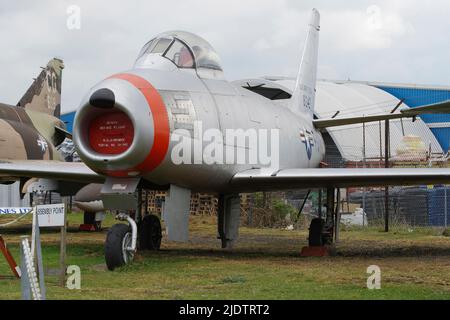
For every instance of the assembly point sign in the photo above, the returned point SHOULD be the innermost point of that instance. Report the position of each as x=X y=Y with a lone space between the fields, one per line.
x=51 y=215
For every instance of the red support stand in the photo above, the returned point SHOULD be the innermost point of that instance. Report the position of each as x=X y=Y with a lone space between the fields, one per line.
x=9 y=258
x=322 y=251
x=87 y=227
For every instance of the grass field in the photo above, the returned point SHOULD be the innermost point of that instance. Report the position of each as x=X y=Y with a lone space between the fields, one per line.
x=265 y=264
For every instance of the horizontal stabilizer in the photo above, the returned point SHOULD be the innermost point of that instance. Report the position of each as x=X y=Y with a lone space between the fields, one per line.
x=437 y=108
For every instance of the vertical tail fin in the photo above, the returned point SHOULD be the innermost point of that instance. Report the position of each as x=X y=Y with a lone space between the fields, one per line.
x=303 y=97
x=44 y=94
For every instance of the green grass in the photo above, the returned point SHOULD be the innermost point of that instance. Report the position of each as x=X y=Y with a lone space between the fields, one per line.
x=264 y=265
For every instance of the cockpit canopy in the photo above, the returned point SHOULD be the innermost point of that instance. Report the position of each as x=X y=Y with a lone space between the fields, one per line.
x=184 y=50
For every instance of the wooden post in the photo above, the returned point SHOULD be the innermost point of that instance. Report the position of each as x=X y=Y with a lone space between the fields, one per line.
x=62 y=253
x=146 y=203
x=330 y=205
x=337 y=215
x=320 y=204
x=38 y=258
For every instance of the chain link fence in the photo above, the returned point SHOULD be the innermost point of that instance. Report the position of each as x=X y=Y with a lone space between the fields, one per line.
x=365 y=146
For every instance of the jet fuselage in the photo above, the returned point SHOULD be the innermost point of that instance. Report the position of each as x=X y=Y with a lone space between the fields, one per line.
x=185 y=101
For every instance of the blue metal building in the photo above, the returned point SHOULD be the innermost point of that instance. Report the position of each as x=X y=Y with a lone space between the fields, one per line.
x=68 y=119
x=422 y=95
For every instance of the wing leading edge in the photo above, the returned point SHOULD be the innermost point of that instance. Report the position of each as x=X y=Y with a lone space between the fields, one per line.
x=249 y=180
x=252 y=180
x=51 y=169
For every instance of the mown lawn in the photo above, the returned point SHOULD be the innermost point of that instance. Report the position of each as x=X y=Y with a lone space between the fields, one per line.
x=265 y=264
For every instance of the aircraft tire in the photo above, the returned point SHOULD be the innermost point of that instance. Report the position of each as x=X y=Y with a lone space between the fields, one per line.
x=150 y=233
x=315 y=233
x=117 y=239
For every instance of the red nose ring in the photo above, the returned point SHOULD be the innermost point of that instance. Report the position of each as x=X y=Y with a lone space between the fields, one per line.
x=160 y=124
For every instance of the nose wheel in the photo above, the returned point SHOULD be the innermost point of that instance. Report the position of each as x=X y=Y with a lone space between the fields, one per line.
x=120 y=244
x=117 y=246
x=121 y=240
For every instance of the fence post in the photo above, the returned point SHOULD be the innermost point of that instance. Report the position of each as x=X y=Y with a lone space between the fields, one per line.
x=40 y=264
x=364 y=166
x=445 y=207
x=62 y=253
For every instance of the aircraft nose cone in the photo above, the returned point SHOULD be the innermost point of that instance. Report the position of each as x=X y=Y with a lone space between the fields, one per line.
x=103 y=98
x=122 y=127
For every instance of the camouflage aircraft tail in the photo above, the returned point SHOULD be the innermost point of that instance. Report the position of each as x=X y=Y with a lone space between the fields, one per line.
x=44 y=94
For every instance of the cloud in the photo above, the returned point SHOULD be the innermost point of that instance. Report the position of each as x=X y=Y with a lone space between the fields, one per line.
x=373 y=28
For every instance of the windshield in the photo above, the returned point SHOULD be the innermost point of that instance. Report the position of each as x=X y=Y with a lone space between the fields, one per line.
x=184 y=49
x=155 y=46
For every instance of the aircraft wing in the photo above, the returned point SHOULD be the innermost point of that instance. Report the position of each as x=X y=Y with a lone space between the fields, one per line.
x=339 y=177
x=440 y=108
x=49 y=169
x=249 y=180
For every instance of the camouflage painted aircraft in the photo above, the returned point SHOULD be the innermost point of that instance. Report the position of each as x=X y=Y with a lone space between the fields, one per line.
x=32 y=129
x=128 y=129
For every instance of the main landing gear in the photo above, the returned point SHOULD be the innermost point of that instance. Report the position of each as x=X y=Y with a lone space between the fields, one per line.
x=322 y=232
x=150 y=233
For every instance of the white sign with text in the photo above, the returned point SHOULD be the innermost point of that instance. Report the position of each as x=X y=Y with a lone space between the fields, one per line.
x=51 y=215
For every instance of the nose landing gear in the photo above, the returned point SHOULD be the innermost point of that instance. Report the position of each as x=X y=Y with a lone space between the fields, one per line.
x=120 y=244
x=116 y=246
x=122 y=239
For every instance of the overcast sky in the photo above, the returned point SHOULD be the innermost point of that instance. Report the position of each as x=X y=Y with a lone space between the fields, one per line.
x=393 y=41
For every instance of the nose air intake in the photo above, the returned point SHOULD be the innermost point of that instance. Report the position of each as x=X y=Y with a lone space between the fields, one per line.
x=103 y=98
x=111 y=133
x=122 y=127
